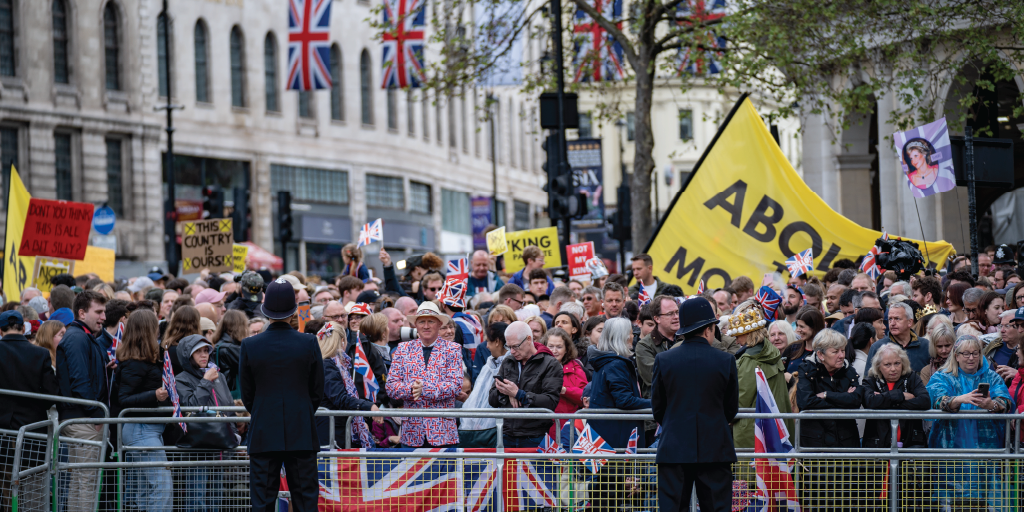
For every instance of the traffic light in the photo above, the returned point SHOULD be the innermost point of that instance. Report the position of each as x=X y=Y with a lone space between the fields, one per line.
x=240 y=216
x=284 y=216
x=622 y=219
x=213 y=202
x=564 y=202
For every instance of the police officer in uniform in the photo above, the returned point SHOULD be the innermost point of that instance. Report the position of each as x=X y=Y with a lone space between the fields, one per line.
x=695 y=397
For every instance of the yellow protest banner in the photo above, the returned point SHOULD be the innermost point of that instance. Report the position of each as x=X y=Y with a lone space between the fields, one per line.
x=238 y=255
x=97 y=261
x=16 y=268
x=46 y=268
x=544 y=238
x=496 y=244
x=744 y=211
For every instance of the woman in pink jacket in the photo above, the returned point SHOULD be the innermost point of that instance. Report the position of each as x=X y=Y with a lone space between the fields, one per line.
x=574 y=379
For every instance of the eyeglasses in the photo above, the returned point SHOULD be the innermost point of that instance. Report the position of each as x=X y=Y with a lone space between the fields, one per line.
x=971 y=355
x=518 y=346
x=1019 y=298
x=435 y=290
x=517 y=300
x=336 y=318
x=673 y=313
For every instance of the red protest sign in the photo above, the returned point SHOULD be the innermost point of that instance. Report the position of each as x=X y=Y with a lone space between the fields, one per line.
x=578 y=255
x=58 y=229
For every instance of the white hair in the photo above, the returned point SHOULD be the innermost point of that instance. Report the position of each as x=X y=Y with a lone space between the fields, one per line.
x=876 y=363
x=901 y=288
x=575 y=309
x=905 y=307
x=786 y=329
x=516 y=332
x=613 y=338
x=1008 y=313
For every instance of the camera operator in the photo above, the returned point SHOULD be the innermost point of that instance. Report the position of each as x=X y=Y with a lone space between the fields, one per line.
x=397 y=331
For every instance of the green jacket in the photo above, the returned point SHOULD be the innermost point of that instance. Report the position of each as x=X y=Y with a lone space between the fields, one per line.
x=634 y=290
x=769 y=359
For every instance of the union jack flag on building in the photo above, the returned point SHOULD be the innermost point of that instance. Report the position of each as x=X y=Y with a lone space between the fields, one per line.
x=800 y=263
x=362 y=365
x=309 y=44
x=458 y=268
x=598 y=56
x=643 y=298
x=589 y=442
x=870 y=264
x=697 y=56
x=171 y=387
x=403 y=43
x=372 y=232
x=774 y=476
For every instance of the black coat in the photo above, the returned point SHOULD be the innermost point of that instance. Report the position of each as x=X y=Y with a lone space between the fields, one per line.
x=814 y=379
x=336 y=398
x=24 y=367
x=376 y=364
x=282 y=386
x=225 y=355
x=137 y=385
x=540 y=386
x=81 y=372
x=695 y=396
x=878 y=433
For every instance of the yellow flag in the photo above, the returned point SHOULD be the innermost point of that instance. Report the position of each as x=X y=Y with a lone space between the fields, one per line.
x=744 y=210
x=16 y=268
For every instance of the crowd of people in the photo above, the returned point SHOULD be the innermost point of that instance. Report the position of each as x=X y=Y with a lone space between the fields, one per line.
x=947 y=341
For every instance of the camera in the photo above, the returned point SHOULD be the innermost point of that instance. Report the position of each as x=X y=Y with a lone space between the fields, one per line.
x=408 y=334
x=900 y=256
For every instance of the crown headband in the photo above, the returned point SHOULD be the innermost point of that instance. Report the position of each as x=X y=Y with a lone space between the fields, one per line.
x=742 y=323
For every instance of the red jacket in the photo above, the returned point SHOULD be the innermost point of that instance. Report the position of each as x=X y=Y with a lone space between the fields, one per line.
x=442 y=382
x=1017 y=389
x=574 y=379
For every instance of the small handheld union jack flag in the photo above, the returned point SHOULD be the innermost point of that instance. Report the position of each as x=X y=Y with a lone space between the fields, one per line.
x=643 y=298
x=769 y=301
x=700 y=288
x=631 y=444
x=548 y=445
x=800 y=263
x=589 y=442
x=372 y=232
x=458 y=268
x=362 y=366
x=453 y=293
x=172 y=390
x=116 y=342
x=870 y=264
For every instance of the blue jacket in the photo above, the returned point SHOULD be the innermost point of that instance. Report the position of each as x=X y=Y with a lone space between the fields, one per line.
x=917 y=351
x=81 y=372
x=616 y=386
x=490 y=284
x=336 y=398
x=517 y=279
x=695 y=395
x=282 y=380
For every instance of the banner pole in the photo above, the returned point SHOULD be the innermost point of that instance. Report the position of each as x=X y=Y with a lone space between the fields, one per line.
x=972 y=206
x=924 y=239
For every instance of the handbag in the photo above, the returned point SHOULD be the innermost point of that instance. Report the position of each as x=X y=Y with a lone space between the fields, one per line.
x=209 y=435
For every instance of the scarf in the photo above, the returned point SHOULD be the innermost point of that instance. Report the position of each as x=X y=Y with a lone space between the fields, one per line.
x=359 y=427
x=936 y=363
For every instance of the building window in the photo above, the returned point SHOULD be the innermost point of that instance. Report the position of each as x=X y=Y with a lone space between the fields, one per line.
x=202 y=63
x=499 y=213
x=462 y=119
x=63 y=165
x=522 y=215
x=630 y=120
x=419 y=198
x=438 y=130
x=60 y=42
x=270 y=72
x=8 y=158
x=384 y=192
x=7 y=37
x=310 y=185
x=585 y=127
x=426 y=116
x=366 y=87
x=452 y=125
x=511 y=134
x=337 y=85
x=237 y=68
x=305 y=110
x=455 y=212
x=115 y=174
x=161 y=53
x=685 y=124
x=392 y=108
x=410 y=111
x=112 y=47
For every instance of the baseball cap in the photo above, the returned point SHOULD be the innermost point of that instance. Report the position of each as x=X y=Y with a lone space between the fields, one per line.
x=140 y=284
x=209 y=295
x=293 y=281
x=11 y=318
x=63 y=315
x=1019 y=315
x=205 y=324
x=252 y=286
x=155 y=273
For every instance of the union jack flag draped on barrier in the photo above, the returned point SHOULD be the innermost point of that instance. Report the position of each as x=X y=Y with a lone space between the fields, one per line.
x=598 y=56
x=800 y=263
x=774 y=476
x=371 y=232
x=458 y=268
x=369 y=484
x=362 y=366
x=171 y=387
x=309 y=44
x=699 y=55
x=403 y=43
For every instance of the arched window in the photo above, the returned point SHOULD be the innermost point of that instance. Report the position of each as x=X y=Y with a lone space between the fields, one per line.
x=337 y=85
x=237 y=68
x=366 y=87
x=60 y=42
x=202 y=63
x=270 y=72
x=7 y=38
x=162 y=49
x=112 y=47
x=392 y=108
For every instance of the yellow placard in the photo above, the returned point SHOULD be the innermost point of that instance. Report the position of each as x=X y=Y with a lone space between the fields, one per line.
x=17 y=269
x=97 y=261
x=496 y=243
x=744 y=211
x=238 y=254
x=46 y=268
x=544 y=238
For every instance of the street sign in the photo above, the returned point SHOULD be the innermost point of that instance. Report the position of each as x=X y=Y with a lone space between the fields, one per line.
x=103 y=220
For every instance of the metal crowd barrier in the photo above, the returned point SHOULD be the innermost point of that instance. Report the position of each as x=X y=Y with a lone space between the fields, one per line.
x=893 y=478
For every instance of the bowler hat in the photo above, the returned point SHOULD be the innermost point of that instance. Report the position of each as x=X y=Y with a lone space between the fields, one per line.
x=695 y=313
x=279 y=300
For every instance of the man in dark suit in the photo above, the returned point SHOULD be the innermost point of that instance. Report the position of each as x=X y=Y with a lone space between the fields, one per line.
x=282 y=381
x=695 y=396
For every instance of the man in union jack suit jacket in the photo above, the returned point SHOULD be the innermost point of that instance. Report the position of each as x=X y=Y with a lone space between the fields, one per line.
x=427 y=374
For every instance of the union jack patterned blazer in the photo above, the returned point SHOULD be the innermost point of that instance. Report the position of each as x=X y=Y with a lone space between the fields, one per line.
x=442 y=382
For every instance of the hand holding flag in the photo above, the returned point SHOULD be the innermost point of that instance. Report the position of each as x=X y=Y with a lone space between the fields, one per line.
x=371 y=232
x=172 y=391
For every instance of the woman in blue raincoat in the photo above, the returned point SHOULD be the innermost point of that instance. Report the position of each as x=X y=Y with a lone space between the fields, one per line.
x=955 y=389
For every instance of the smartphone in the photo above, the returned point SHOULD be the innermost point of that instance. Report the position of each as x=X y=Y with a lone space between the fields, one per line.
x=983 y=389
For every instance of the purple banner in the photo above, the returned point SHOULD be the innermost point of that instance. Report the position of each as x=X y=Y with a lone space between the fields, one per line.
x=480 y=209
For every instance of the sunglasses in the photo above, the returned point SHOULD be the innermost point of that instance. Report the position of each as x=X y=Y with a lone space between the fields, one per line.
x=434 y=289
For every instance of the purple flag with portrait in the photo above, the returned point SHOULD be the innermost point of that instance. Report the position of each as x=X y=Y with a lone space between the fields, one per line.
x=927 y=158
